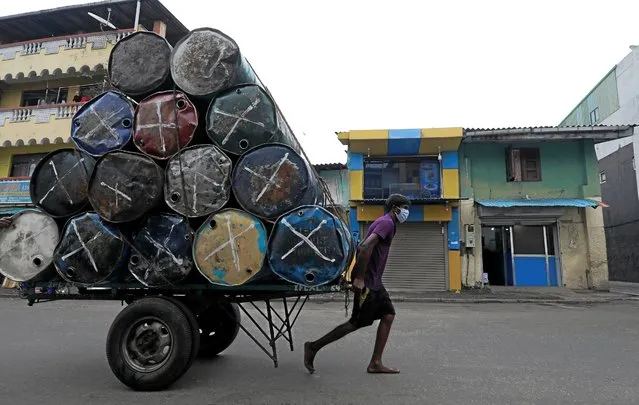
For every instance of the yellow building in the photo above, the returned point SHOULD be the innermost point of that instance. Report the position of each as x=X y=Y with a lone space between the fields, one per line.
x=51 y=62
x=423 y=165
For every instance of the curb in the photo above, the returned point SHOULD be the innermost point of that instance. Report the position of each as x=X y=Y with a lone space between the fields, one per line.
x=495 y=300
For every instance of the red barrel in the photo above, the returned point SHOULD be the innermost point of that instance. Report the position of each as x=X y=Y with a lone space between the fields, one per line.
x=165 y=122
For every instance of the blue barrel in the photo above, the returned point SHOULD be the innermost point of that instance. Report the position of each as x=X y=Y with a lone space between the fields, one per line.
x=104 y=124
x=90 y=251
x=310 y=246
x=161 y=251
x=272 y=179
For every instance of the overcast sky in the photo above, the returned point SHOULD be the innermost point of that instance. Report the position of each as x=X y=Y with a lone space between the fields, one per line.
x=366 y=64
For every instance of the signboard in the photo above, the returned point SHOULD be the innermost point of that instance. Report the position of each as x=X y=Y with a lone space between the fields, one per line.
x=15 y=192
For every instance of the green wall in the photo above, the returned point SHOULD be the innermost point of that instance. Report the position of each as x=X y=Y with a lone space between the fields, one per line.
x=604 y=95
x=568 y=170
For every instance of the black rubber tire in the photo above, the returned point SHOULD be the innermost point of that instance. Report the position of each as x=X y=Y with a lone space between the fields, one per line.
x=216 y=319
x=176 y=363
x=195 y=329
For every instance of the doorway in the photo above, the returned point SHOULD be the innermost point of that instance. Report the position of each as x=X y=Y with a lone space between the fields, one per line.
x=520 y=255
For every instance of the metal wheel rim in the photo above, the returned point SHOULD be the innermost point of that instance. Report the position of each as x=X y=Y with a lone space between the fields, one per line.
x=147 y=344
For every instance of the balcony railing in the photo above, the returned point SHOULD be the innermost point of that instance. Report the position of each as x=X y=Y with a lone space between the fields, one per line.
x=40 y=114
x=17 y=59
x=41 y=124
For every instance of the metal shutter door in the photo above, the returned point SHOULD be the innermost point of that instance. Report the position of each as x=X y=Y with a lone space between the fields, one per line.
x=417 y=258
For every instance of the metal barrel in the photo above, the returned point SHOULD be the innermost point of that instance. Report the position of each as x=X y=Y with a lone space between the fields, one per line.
x=90 y=251
x=60 y=182
x=309 y=246
x=164 y=123
x=27 y=245
x=207 y=61
x=140 y=63
x=161 y=251
x=272 y=179
x=229 y=249
x=104 y=124
x=125 y=185
x=244 y=117
x=198 y=181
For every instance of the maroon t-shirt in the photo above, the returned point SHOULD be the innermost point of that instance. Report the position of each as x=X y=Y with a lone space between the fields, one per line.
x=384 y=227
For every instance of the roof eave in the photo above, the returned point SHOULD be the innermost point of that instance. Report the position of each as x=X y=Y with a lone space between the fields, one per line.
x=596 y=133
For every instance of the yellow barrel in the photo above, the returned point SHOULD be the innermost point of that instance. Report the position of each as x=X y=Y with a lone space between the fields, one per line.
x=230 y=247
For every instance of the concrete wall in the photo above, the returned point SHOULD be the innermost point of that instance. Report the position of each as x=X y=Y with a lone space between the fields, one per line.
x=568 y=170
x=621 y=219
x=337 y=182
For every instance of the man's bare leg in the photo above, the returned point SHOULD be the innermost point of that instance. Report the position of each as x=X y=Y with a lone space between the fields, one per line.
x=383 y=330
x=311 y=348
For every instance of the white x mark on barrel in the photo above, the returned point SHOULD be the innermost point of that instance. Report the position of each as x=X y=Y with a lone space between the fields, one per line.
x=83 y=246
x=269 y=181
x=239 y=118
x=160 y=125
x=305 y=239
x=231 y=242
x=117 y=192
x=105 y=123
x=59 y=180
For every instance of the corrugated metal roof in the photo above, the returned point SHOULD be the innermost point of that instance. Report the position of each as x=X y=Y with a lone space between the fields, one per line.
x=541 y=202
x=330 y=166
x=578 y=127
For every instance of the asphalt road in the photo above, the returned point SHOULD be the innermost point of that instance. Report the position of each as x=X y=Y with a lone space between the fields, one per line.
x=448 y=354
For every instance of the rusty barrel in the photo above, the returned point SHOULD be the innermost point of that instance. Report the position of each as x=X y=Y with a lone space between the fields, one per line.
x=272 y=179
x=309 y=246
x=164 y=123
x=245 y=116
x=140 y=63
x=125 y=185
x=60 y=182
x=229 y=249
x=198 y=181
x=161 y=251
x=207 y=61
x=27 y=245
x=90 y=251
x=104 y=124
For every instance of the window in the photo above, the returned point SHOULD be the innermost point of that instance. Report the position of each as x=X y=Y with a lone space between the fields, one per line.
x=417 y=179
x=594 y=116
x=602 y=177
x=523 y=164
x=45 y=96
x=24 y=165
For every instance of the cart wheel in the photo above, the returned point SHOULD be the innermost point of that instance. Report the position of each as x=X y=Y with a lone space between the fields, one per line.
x=219 y=326
x=149 y=344
x=195 y=329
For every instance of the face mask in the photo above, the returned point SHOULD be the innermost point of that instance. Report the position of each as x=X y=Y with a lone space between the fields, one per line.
x=402 y=215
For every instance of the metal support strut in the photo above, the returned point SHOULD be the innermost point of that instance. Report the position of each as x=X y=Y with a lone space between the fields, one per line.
x=279 y=328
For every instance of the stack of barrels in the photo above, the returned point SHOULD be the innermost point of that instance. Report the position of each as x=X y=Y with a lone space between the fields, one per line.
x=188 y=163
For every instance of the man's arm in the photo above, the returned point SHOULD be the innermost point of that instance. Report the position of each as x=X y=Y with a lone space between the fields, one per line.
x=364 y=251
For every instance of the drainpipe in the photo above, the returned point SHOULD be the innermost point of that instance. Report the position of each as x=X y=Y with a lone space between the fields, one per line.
x=137 y=16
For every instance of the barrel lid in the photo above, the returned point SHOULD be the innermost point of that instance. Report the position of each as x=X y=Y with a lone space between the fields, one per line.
x=203 y=61
x=104 y=124
x=139 y=63
x=241 y=118
x=269 y=180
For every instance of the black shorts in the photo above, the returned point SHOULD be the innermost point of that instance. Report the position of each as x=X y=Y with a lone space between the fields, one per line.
x=376 y=304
